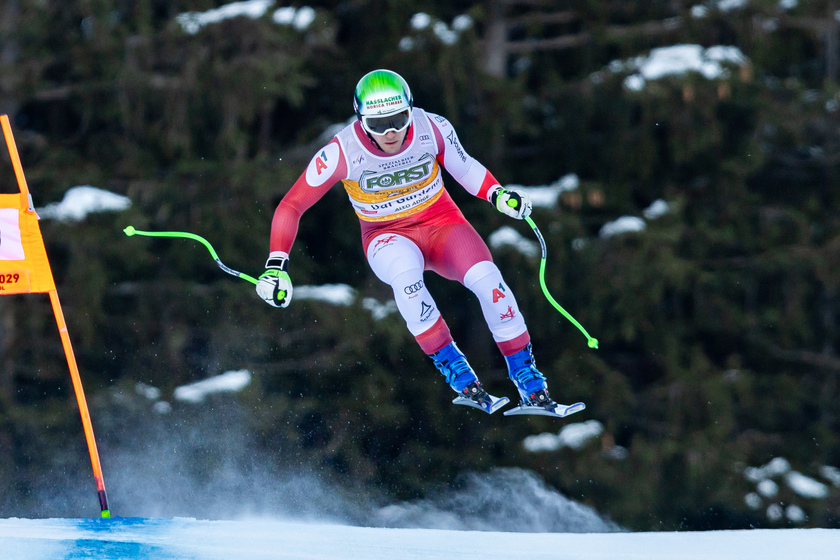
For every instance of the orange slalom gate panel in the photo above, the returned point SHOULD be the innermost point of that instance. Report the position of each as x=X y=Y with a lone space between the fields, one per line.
x=24 y=267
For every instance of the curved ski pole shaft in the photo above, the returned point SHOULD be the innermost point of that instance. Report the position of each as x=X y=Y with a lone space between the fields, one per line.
x=593 y=342
x=129 y=231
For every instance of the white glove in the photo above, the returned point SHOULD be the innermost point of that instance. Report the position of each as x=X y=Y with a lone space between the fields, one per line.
x=274 y=285
x=511 y=202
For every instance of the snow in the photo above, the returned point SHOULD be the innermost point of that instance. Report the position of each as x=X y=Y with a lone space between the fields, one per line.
x=730 y=5
x=657 y=209
x=574 y=435
x=300 y=18
x=343 y=294
x=802 y=486
x=151 y=393
x=462 y=22
x=379 y=310
x=505 y=499
x=577 y=435
x=677 y=60
x=503 y=514
x=162 y=407
x=336 y=294
x=721 y=53
x=192 y=22
x=753 y=500
x=506 y=236
x=546 y=196
x=831 y=474
x=806 y=486
x=255 y=539
x=80 y=201
x=231 y=381
x=767 y=488
x=406 y=44
x=420 y=21
x=775 y=512
x=795 y=514
x=699 y=11
x=625 y=224
x=447 y=34
x=776 y=467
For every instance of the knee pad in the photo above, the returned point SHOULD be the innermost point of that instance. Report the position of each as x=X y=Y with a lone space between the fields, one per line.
x=390 y=255
x=498 y=303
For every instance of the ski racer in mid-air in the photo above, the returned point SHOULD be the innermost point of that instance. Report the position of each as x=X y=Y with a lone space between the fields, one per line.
x=389 y=161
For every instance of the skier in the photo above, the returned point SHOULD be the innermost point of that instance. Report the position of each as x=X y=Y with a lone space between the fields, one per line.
x=389 y=162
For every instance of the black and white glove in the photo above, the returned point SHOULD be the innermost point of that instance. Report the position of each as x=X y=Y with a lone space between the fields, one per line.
x=511 y=202
x=274 y=285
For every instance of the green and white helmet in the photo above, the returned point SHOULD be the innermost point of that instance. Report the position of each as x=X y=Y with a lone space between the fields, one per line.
x=383 y=102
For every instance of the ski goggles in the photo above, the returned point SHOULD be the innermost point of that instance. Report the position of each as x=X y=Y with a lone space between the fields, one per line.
x=382 y=125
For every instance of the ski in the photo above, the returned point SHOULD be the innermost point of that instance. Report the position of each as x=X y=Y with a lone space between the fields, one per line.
x=554 y=409
x=489 y=406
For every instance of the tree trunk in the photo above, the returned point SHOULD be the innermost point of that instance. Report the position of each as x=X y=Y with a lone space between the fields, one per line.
x=495 y=40
x=9 y=54
x=832 y=45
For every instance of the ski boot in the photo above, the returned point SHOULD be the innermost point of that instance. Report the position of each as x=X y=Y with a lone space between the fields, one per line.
x=533 y=390
x=453 y=365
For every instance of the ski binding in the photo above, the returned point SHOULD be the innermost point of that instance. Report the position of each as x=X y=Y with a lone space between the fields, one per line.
x=552 y=409
x=489 y=406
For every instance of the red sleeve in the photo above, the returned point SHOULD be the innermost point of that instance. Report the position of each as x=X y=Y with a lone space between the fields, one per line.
x=325 y=169
x=488 y=183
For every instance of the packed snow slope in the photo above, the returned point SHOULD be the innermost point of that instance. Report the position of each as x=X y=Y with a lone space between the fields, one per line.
x=192 y=539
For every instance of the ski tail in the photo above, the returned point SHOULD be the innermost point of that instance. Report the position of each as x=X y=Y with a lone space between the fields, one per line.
x=489 y=405
x=554 y=409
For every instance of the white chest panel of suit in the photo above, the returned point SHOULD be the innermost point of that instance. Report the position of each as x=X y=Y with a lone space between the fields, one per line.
x=383 y=188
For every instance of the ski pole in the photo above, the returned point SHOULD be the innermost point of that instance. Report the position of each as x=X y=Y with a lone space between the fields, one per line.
x=593 y=342
x=129 y=231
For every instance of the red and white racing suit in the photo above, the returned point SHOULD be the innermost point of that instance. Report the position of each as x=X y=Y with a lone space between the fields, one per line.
x=410 y=223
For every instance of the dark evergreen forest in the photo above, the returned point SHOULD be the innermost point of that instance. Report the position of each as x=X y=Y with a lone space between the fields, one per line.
x=718 y=324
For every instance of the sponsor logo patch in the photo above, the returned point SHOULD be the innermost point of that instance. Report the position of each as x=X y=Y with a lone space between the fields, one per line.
x=457 y=145
x=425 y=311
x=323 y=165
x=507 y=316
x=498 y=293
x=416 y=287
x=384 y=241
x=370 y=181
